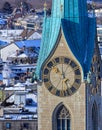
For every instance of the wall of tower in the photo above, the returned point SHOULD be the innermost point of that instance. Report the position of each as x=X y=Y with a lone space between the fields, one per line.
x=75 y=104
x=47 y=102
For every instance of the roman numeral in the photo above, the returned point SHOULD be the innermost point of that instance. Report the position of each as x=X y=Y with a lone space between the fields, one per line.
x=76 y=85
x=77 y=76
x=53 y=91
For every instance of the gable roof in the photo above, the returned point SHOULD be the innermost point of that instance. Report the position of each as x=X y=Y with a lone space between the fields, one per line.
x=6 y=44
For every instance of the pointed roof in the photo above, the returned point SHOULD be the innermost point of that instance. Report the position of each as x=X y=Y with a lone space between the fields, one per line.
x=78 y=28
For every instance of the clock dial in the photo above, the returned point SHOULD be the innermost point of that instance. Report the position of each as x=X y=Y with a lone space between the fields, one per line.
x=62 y=76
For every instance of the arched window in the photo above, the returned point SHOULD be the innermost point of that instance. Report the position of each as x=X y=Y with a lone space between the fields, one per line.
x=94 y=117
x=62 y=119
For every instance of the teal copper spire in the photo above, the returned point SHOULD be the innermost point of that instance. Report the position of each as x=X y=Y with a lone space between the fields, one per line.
x=79 y=30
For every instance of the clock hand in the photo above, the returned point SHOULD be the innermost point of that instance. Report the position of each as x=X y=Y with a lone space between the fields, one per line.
x=65 y=81
x=67 y=66
x=68 y=87
x=56 y=70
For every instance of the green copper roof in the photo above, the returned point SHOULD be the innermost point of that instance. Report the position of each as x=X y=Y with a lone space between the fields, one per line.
x=79 y=30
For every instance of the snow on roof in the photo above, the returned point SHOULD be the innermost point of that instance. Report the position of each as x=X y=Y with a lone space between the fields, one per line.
x=22 y=55
x=19 y=116
x=31 y=109
x=29 y=43
x=33 y=96
x=35 y=35
x=19 y=85
x=28 y=95
x=28 y=83
x=15 y=88
x=11 y=99
x=10 y=35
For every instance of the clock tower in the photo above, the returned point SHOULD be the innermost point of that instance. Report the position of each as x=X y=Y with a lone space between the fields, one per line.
x=64 y=63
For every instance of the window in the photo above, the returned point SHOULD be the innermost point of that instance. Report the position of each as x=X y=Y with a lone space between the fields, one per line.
x=8 y=125
x=62 y=118
x=94 y=117
x=26 y=125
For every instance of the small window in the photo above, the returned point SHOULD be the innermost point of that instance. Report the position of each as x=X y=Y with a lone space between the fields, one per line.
x=26 y=125
x=8 y=125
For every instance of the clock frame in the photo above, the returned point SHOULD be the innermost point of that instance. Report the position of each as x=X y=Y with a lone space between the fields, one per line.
x=62 y=76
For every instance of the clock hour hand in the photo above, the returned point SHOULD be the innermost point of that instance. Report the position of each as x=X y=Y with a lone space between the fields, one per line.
x=56 y=70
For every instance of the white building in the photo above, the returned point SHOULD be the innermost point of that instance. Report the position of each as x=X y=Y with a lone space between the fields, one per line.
x=6 y=75
x=8 y=50
x=20 y=98
x=99 y=34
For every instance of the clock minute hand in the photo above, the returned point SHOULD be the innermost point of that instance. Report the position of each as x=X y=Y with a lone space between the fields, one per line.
x=65 y=80
x=68 y=86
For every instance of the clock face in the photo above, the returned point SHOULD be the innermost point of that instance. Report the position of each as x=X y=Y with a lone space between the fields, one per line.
x=62 y=76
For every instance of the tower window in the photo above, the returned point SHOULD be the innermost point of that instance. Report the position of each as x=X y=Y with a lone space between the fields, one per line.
x=63 y=119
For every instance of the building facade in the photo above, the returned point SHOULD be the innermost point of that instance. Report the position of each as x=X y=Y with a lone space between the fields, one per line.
x=69 y=97
x=24 y=124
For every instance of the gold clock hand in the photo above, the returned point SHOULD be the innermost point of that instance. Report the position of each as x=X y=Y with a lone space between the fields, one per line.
x=56 y=70
x=66 y=81
x=68 y=87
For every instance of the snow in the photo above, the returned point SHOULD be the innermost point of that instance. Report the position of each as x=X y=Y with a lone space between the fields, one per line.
x=19 y=85
x=19 y=116
x=35 y=35
x=15 y=88
x=22 y=55
x=31 y=109
x=11 y=99
x=33 y=96
x=9 y=35
x=28 y=95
